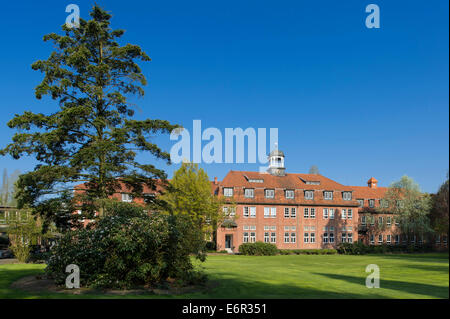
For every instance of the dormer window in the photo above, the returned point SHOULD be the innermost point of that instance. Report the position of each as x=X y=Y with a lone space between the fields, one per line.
x=347 y=195
x=328 y=195
x=269 y=193
x=360 y=202
x=309 y=194
x=249 y=192
x=228 y=191
x=289 y=194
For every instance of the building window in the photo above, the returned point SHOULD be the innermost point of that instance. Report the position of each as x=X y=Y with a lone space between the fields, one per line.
x=249 y=192
x=372 y=220
x=306 y=213
x=309 y=194
x=388 y=220
x=246 y=211
x=363 y=220
x=266 y=237
x=270 y=212
x=286 y=212
x=286 y=237
x=331 y=238
x=127 y=198
x=371 y=203
x=293 y=238
x=325 y=238
x=306 y=238
x=252 y=237
x=397 y=239
x=325 y=213
x=384 y=203
x=397 y=223
x=293 y=212
x=289 y=194
x=228 y=191
x=312 y=237
x=372 y=239
x=343 y=213
x=229 y=211
x=252 y=212
x=245 y=237
x=313 y=213
x=380 y=239
x=350 y=237
x=331 y=213
x=360 y=202
x=380 y=220
x=388 y=239
x=343 y=238
x=328 y=195
x=347 y=195
x=273 y=237
x=349 y=214
x=269 y=193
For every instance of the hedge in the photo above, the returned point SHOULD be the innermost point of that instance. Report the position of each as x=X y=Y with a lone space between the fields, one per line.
x=308 y=251
x=258 y=249
x=358 y=248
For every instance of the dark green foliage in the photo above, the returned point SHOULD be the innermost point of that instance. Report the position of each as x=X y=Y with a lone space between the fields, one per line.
x=258 y=249
x=210 y=245
x=308 y=251
x=93 y=137
x=126 y=248
x=358 y=248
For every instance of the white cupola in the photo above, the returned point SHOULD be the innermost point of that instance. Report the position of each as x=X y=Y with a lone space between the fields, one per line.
x=276 y=162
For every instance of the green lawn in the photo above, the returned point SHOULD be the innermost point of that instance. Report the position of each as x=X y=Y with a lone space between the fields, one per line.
x=294 y=276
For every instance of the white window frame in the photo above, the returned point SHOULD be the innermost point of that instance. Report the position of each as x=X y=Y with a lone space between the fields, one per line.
x=251 y=193
x=306 y=212
x=349 y=213
x=306 y=238
x=286 y=212
x=328 y=195
x=312 y=213
x=228 y=191
x=331 y=213
x=127 y=198
x=309 y=195
x=269 y=193
x=347 y=195
x=343 y=213
x=312 y=237
x=289 y=191
x=293 y=212
x=325 y=213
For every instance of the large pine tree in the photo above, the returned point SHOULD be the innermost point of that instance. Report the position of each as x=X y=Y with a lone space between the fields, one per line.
x=93 y=137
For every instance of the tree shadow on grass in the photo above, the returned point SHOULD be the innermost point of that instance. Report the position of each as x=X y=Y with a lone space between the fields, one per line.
x=430 y=257
x=437 y=268
x=403 y=286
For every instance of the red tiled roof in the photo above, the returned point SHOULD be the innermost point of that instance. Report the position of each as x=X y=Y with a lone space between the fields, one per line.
x=289 y=181
x=369 y=193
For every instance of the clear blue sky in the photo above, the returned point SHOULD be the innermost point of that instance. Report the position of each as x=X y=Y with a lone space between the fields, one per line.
x=356 y=102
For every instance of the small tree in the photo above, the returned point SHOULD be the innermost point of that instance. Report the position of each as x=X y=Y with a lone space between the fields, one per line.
x=410 y=207
x=193 y=204
x=440 y=209
x=24 y=231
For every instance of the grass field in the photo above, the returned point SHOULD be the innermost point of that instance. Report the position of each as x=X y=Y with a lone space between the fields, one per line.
x=293 y=276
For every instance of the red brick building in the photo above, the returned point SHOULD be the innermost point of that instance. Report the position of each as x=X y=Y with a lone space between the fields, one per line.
x=302 y=211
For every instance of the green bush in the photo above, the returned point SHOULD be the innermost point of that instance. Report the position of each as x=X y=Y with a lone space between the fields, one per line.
x=358 y=248
x=125 y=249
x=258 y=249
x=210 y=245
x=307 y=251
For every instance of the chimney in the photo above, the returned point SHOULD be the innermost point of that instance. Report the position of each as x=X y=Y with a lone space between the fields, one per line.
x=215 y=181
x=372 y=182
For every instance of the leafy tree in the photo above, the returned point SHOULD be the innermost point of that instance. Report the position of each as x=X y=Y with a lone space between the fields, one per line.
x=24 y=231
x=439 y=212
x=93 y=137
x=410 y=207
x=314 y=170
x=8 y=189
x=194 y=206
